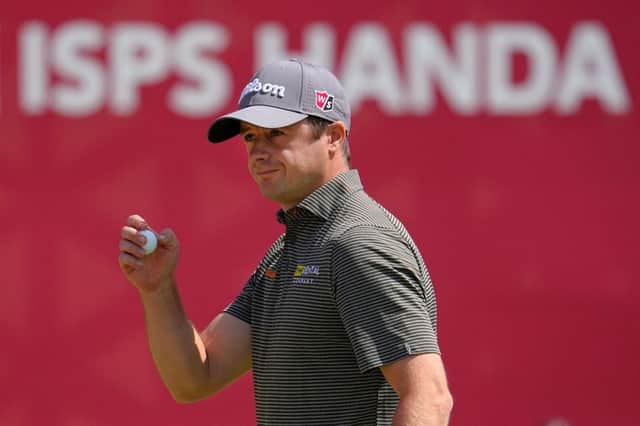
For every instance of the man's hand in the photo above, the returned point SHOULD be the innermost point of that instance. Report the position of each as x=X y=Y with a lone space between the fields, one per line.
x=147 y=272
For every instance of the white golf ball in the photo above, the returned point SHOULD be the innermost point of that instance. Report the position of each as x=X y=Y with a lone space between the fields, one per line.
x=152 y=242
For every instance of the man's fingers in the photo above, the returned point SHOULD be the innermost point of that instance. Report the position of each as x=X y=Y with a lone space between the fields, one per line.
x=137 y=222
x=131 y=248
x=128 y=262
x=131 y=234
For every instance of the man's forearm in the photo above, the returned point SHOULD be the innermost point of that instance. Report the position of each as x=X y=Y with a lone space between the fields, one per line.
x=418 y=411
x=175 y=345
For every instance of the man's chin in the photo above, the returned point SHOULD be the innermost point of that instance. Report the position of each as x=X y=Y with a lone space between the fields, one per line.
x=276 y=196
x=269 y=192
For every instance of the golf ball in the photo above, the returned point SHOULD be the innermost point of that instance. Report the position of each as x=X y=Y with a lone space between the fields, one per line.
x=152 y=242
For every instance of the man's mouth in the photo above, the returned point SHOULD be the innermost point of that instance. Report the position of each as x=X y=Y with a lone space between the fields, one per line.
x=266 y=172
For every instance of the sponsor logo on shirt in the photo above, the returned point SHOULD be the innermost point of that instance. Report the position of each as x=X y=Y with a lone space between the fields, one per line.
x=303 y=273
x=270 y=273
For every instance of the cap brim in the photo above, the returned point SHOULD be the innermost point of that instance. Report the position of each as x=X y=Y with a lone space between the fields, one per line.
x=265 y=116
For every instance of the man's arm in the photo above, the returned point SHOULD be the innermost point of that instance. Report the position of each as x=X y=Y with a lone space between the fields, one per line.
x=421 y=384
x=192 y=366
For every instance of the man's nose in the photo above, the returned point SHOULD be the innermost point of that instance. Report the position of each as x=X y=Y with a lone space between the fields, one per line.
x=259 y=148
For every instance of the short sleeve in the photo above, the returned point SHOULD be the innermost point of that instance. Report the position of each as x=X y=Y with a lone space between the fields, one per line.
x=382 y=294
x=241 y=305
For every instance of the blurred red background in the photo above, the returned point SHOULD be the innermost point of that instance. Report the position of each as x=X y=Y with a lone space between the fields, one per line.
x=505 y=135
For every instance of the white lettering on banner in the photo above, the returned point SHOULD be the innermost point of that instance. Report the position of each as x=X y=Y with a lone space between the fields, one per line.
x=85 y=93
x=61 y=69
x=532 y=95
x=469 y=84
x=33 y=68
x=215 y=83
x=427 y=59
x=138 y=56
x=271 y=44
x=590 y=69
x=369 y=69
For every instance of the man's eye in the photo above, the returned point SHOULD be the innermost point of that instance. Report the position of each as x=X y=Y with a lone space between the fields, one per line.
x=248 y=137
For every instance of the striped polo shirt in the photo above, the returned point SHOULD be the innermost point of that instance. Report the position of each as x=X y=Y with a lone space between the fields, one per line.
x=342 y=292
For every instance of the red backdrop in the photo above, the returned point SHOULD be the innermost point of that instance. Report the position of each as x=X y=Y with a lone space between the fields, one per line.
x=504 y=134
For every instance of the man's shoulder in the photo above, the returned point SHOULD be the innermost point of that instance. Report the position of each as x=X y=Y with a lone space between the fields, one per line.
x=275 y=248
x=362 y=213
x=365 y=220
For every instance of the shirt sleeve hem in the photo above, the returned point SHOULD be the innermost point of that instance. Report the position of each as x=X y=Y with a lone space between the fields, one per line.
x=237 y=314
x=400 y=352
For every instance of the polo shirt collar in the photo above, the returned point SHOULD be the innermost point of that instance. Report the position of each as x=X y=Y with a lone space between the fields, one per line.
x=325 y=200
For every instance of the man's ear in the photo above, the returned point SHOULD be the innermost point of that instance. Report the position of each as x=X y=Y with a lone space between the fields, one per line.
x=337 y=133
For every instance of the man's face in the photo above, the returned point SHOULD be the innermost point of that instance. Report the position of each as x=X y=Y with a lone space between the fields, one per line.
x=287 y=163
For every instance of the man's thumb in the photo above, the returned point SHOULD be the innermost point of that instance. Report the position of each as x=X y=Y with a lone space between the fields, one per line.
x=167 y=238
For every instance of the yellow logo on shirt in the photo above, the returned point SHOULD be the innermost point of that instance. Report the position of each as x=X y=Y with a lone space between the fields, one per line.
x=299 y=270
x=305 y=271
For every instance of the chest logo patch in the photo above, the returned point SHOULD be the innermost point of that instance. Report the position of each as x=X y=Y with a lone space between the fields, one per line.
x=303 y=274
x=270 y=273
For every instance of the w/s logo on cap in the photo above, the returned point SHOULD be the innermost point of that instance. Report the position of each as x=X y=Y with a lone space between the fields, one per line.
x=324 y=101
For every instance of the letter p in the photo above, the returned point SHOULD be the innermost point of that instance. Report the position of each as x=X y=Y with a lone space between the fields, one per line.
x=139 y=55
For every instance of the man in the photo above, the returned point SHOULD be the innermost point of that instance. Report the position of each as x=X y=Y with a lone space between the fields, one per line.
x=338 y=322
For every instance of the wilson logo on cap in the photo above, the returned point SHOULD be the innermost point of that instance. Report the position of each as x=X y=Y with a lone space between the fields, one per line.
x=324 y=101
x=257 y=86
